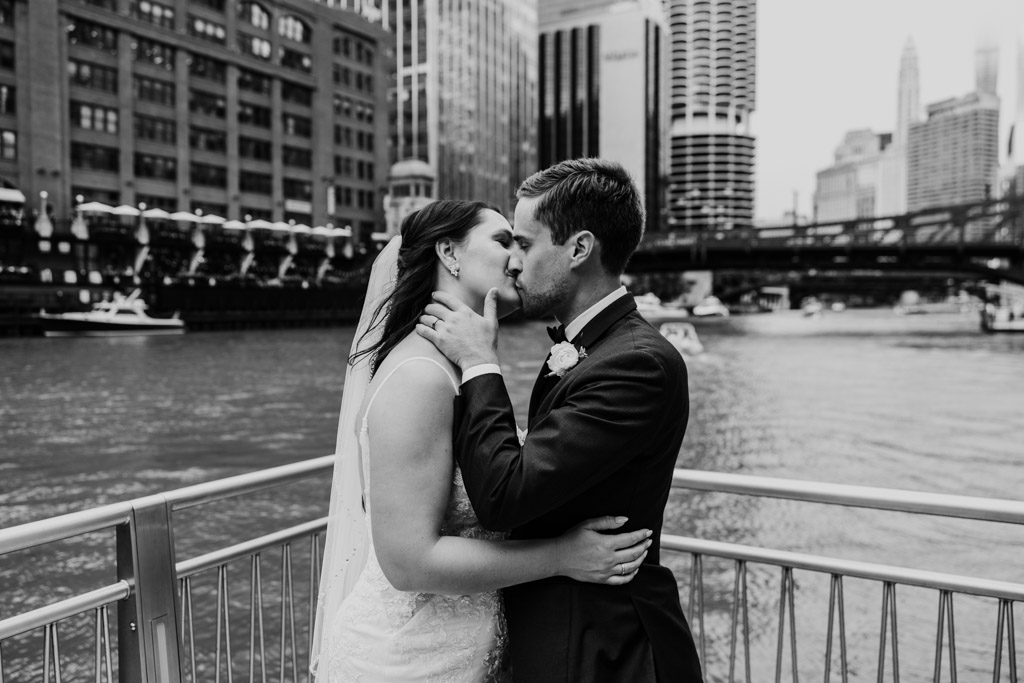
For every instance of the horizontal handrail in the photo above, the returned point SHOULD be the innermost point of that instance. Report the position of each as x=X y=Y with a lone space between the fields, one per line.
x=246 y=548
x=32 y=534
x=49 y=614
x=895 y=500
x=190 y=496
x=850 y=568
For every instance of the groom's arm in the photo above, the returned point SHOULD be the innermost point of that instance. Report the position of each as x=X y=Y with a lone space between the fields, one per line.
x=611 y=415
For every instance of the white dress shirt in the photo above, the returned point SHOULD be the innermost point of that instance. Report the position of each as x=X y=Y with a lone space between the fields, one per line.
x=572 y=330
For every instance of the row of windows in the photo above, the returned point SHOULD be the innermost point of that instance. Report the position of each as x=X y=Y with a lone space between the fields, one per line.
x=348 y=77
x=91 y=117
x=6 y=55
x=8 y=144
x=347 y=107
x=207 y=30
x=354 y=48
x=361 y=199
x=153 y=12
x=6 y=12
x=343 y=135
x=8 y=99
x=348 y=167
x=92 y=76
x=156 y=129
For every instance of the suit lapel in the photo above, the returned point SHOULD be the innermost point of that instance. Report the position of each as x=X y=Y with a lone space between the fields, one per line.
x=588 y=336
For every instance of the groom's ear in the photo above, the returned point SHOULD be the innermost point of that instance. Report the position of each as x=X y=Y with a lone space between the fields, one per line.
x=584 y=248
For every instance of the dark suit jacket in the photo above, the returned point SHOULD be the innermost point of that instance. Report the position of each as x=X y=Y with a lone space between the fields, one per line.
x=603 y=440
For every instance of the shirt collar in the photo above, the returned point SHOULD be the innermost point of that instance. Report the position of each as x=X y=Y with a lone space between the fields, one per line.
x=573 y=329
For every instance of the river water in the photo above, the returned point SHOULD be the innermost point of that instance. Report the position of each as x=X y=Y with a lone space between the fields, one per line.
x=923 y=402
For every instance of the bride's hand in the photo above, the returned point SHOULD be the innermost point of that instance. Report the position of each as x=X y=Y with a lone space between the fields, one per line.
x=587 y=555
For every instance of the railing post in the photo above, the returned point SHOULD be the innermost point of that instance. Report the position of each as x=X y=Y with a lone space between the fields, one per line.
x=149 y=620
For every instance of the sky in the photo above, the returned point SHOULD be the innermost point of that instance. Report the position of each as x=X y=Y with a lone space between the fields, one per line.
x=825 y=67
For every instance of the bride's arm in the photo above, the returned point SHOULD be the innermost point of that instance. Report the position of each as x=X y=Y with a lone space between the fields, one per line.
x=411 y=468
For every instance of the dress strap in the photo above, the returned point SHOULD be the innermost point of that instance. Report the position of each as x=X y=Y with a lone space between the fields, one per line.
x=373 y=398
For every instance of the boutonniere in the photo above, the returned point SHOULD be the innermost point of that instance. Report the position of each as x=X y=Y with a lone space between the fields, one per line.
x=564 y=356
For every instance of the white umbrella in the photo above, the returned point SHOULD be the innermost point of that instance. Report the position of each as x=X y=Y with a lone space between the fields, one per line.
x=156 y=213
x=233 y=225
x=321 y=231
x=125 y=210
x=380 y=236
x=341 y=232
x=212 y=219
x=281 y=226
x=302 y=229
x=184 y=216
x=96 y=207
x=260 y=224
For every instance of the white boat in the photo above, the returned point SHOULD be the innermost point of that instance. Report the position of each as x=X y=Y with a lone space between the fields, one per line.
x=655 y=312
x=124 y=316
x=683 y=336
x=710 y=306
x=811 y=307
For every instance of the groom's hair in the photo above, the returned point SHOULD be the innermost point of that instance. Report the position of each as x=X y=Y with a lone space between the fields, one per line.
x=590 y=194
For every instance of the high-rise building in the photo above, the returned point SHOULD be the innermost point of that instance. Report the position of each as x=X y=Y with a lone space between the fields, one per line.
x=860 y=184
x=273 y=109
x=953 y=156
x=1012 y=172
x=603 y=73
x=908 y=109
x=466 y=93
x=986 y=68
x=712 y=98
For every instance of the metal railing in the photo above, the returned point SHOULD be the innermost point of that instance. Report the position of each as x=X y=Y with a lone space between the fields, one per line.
x=171 y=629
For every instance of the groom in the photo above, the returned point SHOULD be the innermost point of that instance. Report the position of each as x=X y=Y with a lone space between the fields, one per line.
x=606 y=422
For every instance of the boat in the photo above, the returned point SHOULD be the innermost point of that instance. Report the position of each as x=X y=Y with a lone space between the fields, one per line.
x=1004 y=308
x=811 y=307
x=655 y=312
x=124 y=316
x=683 y=336
x=710 y=306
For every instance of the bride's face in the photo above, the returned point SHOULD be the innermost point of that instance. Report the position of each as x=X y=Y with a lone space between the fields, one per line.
x=484 y=260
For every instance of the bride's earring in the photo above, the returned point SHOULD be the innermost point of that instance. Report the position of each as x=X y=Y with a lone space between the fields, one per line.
x=454 y=269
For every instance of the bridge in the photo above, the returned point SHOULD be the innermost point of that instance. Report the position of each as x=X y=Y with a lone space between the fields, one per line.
x=984 y=239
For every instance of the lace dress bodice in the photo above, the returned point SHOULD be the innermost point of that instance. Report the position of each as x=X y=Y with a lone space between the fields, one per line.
x=383 y=634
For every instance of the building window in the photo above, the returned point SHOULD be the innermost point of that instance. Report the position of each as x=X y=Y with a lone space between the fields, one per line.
x=8 y=99
x=258 y=183
x=298 y=189
x=297 y=125
x=156 y=129
x=154 y=90
x=158 y=167
x=8 y=144
x=155 y=53
x=254 y=115
x=343 y=136
x=207 y=140
x=293 y=28
x=207 y=30
x=209 y=175
x=297 y=157
x=6 y=12
x=88 y=34
x=254 y=14
x=342 y=106
x=92 y=76
x=342 y=75
x=290 y=92
x=153 y=12
x=253 y=82
x=293 y=59
x=104 y=4
x=257 y=47
x=342 y=166
x=252 y=148
x=217 y=5
x=206 y=103
x=91 y=117
x=95 y=157
x=205 y=67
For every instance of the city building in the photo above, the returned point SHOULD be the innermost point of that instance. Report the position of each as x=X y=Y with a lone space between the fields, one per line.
x=1012 y=170
x=953 y=156
x=908 y=111
x=712 y=99
x=465 y=97
x=266 y=109
x=603 y=89
x=861 y=183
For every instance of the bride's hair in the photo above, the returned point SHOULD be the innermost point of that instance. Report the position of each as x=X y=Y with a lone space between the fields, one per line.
x=400 y=310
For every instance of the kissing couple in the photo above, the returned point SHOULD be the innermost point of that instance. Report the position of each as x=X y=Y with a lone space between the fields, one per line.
x=461 y=548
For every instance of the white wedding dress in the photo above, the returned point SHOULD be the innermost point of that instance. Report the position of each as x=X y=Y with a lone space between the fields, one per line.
x=380 y=633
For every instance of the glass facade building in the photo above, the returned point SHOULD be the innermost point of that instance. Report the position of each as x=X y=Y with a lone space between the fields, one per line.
x=712 y=97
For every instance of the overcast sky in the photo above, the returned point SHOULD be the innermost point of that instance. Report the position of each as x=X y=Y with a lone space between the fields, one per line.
x=825 y=67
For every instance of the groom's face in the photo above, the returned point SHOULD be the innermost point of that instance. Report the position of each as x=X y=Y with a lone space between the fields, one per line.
x=543 y=267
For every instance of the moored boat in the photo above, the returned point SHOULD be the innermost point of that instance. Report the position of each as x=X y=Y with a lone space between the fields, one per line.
x=124 y=316
x=656 y=313
x=684 y=337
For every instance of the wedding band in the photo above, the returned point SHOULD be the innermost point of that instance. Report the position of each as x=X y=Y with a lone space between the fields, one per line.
x=433 y=325
x=622 y=569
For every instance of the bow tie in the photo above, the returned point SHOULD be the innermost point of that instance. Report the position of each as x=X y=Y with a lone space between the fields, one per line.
x=557 y=334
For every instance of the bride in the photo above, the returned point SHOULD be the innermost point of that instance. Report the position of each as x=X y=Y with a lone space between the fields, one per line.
x=409 y=589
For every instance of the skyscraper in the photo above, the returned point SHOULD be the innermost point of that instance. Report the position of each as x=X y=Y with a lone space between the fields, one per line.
x=602 y=88
x=466 y=93
x=986 y=68
x=909 y=106
x=712 y=98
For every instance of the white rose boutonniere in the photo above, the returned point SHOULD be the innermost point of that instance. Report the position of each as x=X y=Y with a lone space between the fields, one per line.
x=564 y=356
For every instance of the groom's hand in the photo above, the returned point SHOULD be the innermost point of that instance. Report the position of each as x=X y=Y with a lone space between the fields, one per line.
x=467 y=339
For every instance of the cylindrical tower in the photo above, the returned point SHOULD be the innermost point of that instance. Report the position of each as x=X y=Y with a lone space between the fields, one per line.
x=712 y=94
